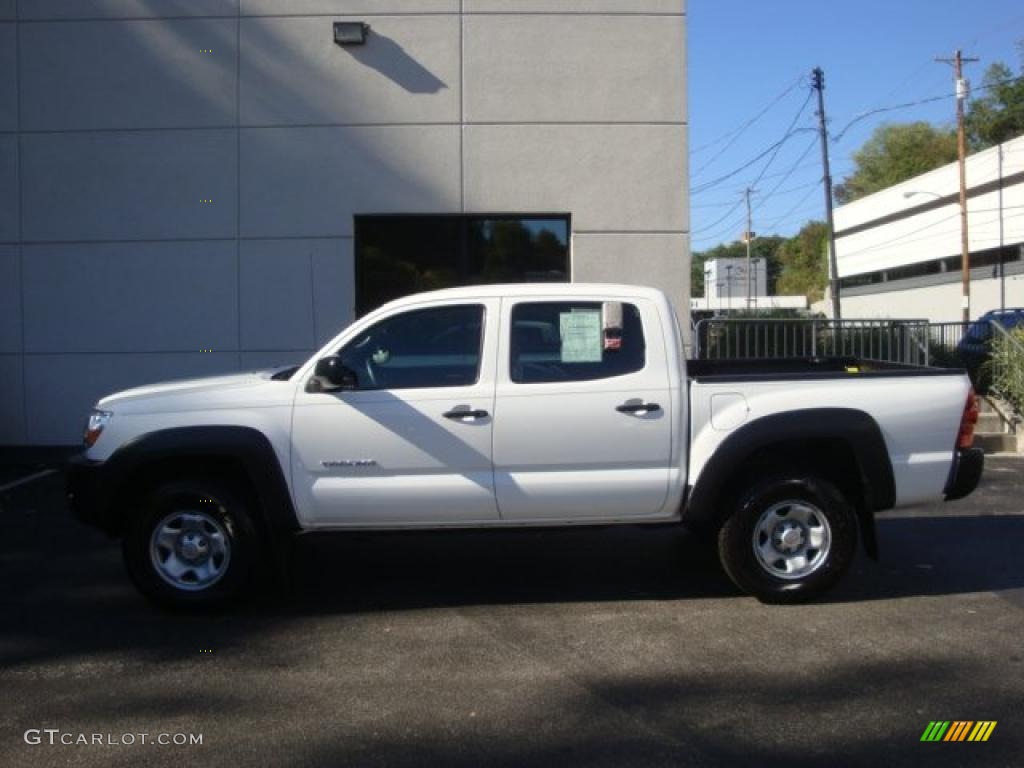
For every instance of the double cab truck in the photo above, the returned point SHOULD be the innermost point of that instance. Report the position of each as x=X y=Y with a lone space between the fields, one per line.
x=516 y=406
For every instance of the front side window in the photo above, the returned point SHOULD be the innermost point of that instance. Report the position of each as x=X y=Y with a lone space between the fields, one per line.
x=438 y=347
x=569 y=341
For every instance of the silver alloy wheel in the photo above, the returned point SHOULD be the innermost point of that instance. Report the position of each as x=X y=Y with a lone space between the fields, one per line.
x=190 y=550
x=792 y=539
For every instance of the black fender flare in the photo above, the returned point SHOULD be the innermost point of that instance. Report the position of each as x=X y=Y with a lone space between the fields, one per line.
x=247 y=447
x=857 y=429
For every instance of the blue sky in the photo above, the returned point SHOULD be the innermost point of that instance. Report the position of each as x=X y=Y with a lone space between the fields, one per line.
x=744 y=55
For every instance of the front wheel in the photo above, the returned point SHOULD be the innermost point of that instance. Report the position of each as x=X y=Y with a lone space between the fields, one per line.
x=788 y=539
x=190 y=544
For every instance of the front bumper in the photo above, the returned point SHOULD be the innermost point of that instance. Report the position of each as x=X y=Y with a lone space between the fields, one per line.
x=86 y=496
x=965 y=474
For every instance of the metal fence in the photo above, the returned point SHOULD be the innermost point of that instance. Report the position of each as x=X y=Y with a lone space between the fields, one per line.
x=896 y=341
x=944 y=349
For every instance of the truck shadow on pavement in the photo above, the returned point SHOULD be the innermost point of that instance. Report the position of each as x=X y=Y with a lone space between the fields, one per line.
x=939 y=556
x=598 y=647
x=53 y=564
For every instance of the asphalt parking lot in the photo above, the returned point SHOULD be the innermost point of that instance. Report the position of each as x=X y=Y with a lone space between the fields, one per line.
x=604 y=647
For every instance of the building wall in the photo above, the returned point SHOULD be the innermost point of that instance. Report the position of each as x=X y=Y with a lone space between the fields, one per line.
x=918 y=221
x=178 y=177
x=936 y=303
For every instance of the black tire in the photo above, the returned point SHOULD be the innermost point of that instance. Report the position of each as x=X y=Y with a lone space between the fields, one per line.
x=761 y=522
x=217 y=515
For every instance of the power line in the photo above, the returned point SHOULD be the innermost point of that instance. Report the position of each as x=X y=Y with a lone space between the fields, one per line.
x=737 y=132
x=798 y=167
x=785 y=176
x=715 y=182
x=879 y=110
x=773 y=151
x=718 y=221
x=731 y=227
x=906 y=105
x=722 y=204
x=798 y=187
x=734 y=206
x=796 y=206
x=789 y=132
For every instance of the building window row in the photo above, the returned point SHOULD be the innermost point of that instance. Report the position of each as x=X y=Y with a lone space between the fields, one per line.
x=991 y=257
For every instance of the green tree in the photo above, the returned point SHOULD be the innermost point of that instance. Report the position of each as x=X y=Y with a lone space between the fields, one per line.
x=766 y=248
x=894 y=153
x=803 y=262
x=997 y=115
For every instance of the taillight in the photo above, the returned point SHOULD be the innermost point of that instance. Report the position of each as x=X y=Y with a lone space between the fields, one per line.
x=967 y=421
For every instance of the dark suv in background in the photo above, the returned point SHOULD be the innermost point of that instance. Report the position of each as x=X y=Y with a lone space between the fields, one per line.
x=973 y=348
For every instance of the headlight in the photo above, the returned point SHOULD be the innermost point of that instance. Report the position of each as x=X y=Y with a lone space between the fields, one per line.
x=94 y=427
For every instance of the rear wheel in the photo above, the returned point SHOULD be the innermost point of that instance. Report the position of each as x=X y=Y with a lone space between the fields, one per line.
x=191 y=543
x=788 y=539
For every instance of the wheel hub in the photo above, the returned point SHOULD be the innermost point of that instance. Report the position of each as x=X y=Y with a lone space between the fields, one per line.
x=792 y=539
x=193 y=547
x=788 y=537
x=190 y=548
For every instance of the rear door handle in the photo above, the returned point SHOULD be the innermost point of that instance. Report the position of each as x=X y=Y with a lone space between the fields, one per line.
x=638 y=407
x=466 y=414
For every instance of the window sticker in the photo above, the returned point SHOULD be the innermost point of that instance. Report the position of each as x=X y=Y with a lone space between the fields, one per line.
x=581 y=336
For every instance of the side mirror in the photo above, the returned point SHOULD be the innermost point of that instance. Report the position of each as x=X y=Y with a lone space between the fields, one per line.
x=331 y=374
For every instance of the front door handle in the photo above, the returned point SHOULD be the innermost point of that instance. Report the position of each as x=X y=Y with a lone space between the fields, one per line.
x=466 y=414
x=638 y=407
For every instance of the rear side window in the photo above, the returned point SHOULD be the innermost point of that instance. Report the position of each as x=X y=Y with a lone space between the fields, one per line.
x=569 y=341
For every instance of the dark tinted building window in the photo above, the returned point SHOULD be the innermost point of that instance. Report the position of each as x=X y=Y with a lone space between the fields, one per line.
x=399 y=255
x=564 y=341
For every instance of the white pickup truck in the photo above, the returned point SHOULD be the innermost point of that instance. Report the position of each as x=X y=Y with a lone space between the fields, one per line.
x=521 y=405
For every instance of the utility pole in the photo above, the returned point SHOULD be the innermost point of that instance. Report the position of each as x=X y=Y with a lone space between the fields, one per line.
x=961 y=149
x=748 y=236
x=818 y=83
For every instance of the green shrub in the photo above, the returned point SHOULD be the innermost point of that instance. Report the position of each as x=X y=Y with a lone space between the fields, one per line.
x=1006 y=368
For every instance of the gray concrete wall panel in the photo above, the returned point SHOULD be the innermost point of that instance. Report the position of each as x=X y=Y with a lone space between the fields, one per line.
x=129 y=74
x=576 y=6
x=8 y=77
x=334 y=293
x=292 y=72
x=276 y=286
x=563 y=69
x=60 y=389
x=310 y=181
x=131 y=297
x=636 y=258
x=611 y=178
x=129 y=185
x=12 y=404
x=340 y=7
x=9 y=203
x=10 y=299
x=125 y=9
x=190 y=169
